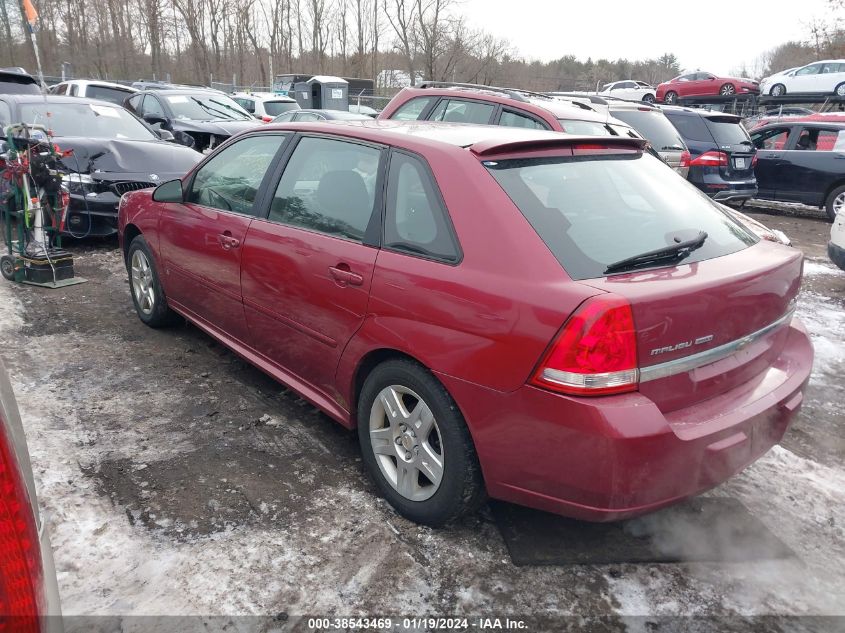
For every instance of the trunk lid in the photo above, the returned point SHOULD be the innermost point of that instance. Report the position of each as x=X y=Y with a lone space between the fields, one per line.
x=693 y=308
x=733 y=140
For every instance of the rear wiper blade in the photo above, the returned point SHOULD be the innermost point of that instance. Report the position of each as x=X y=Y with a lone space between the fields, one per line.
x=676 y=251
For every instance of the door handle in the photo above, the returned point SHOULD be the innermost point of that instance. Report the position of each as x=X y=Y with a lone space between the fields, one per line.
x=345 y=276
x=227 y=241
x=774 y=156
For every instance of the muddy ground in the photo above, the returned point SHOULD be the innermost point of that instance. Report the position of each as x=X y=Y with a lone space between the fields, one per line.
x=178 y=480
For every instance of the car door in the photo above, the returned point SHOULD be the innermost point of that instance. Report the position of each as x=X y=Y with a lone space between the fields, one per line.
x=805 y=79
x=812 y=164
x=308 y=263
x=201 y=240
x=771 y=148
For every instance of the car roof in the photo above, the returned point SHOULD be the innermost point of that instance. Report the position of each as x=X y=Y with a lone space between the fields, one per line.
x=98 y=82
x=482 y=139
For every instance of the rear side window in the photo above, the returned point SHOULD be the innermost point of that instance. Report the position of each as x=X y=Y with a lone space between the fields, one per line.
x=594 y=210
x=727 y=132
x=691 y=126
x=106 y=93
x=654 y=126
x=328 y=186
x=821 y=140
x=457 y=111
x=413 y=109
x=512 y=119
x=416 y=221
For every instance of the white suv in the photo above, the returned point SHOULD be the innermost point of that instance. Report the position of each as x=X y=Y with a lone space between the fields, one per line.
x=264 y=105
x=824 y=77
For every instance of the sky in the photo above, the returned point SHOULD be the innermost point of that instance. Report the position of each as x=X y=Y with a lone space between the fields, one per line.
x=712 y=35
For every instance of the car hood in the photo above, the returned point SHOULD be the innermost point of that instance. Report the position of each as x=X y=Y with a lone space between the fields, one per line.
x=107 y=157
x=219 y=128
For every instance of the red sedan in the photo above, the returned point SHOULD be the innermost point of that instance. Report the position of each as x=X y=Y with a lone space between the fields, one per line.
x=557 y=321
x=700 y=84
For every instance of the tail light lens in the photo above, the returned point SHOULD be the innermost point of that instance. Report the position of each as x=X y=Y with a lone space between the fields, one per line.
x=754 y=161
x=266 y=118
x=595 y=353
x=21 y=582
x=685 y=159
x=710 y=159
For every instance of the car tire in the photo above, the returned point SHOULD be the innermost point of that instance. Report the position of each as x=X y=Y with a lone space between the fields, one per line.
x=839 y=91
x=670 y=97
x=727 y=90
x=7 y=267
x=405 y=415
x=778 y=90
x=648 y=98
x=145 y=287
x=835 y=202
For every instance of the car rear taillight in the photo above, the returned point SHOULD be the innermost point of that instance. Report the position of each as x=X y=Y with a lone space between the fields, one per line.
x=266 y=118
x=754 y=161
x=685 y=159
x=21 y=578
x=710 y=159
x=595 y=353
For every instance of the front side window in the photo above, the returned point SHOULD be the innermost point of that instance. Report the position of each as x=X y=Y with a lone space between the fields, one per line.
x=152 y=107
x=813 y=69
x=230 y=180
x=594 y=210
x=61 y=89
x=457 y=111
x=416 y=221
x=413 y=109
x=328 y=186
x=513 y=119
x=774 y=138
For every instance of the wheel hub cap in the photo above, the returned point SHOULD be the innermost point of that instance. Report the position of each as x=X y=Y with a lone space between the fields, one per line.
x=142 y=282
x=406 y=442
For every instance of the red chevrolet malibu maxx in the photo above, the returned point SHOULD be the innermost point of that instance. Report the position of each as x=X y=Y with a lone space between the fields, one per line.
x=557 y=321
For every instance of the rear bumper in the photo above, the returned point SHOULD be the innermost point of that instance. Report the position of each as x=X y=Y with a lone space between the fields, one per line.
x=836 y=254
x=614 y=457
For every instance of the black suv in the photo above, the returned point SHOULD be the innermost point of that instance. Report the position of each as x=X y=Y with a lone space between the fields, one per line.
x=722 y=156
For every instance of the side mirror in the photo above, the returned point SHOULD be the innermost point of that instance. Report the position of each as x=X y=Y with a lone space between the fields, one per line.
x=153 y=120
x=170 y=191
x=165 y=135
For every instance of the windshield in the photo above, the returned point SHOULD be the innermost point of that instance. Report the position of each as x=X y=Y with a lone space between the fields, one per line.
x=593 y=210
x=206 y=107
x=13 y=87
x=86 y=120
x=728 y=132
x=275 y=108
x=654 y=126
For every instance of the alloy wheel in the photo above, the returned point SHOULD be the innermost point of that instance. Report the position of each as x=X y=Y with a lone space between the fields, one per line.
x=839 y=203
x=142 y=282
x=778 y=90
x=840 y=90
x=406 y=442
x=727 y=90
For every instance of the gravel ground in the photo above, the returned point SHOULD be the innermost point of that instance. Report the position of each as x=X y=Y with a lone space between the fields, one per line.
x=178 y=480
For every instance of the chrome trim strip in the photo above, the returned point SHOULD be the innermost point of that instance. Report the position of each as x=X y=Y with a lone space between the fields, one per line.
x=688 y=363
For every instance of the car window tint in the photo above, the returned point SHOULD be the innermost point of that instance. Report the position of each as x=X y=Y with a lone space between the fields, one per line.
x=821 y=140
x=512 y=119
x=691 y=127
x=771 y=139
x=328 y=186
x=593 y=211
x=151 y=107
x=413 y=109
x=416 y=221
x=230 y=180
x=455 y=111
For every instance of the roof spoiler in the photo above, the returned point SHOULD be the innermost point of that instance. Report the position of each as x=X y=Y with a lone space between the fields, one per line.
x=493 y=147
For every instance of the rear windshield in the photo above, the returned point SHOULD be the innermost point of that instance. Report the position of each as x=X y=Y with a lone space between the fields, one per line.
x=728 y=132
x=588 y=128
x=107 y=93
x=594 y=210
x=9 y=86
x=691 y=127
x=275 y=108
x=654 y=126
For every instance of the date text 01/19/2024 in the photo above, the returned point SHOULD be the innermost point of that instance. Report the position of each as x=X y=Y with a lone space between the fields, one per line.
x=426 y=623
